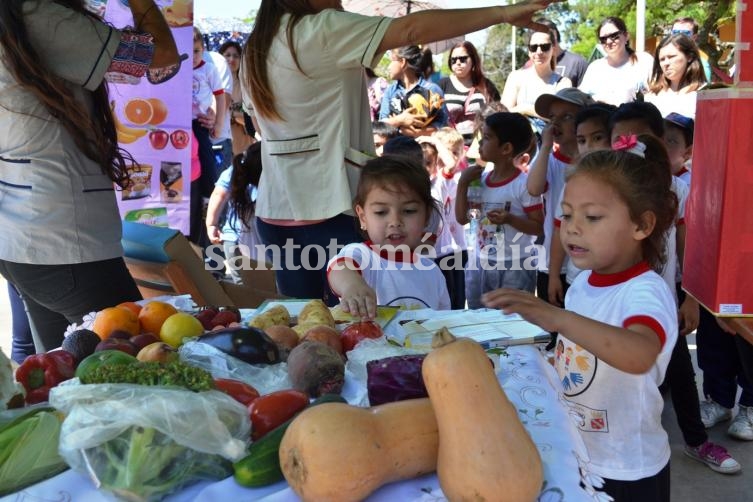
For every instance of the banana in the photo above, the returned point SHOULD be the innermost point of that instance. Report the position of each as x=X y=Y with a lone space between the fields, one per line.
x=126 y=134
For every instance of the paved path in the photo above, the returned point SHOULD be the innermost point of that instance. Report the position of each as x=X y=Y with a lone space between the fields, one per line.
x=691 y=481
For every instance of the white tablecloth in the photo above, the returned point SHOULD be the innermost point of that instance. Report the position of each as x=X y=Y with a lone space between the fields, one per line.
x=528 y=380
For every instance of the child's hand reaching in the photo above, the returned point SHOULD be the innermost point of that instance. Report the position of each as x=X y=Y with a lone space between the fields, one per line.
x=528 y=306
x=359 y=300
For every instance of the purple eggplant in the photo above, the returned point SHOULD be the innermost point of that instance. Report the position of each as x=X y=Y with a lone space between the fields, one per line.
x=248 y=344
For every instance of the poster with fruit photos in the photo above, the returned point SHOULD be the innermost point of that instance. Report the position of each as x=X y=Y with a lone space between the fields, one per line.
x=154 y=126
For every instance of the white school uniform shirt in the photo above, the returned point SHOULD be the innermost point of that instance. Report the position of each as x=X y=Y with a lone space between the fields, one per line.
x=619 y=414
x=226 y=77
x=672 y=270
x=495 y=241
x=416 y=283
x=557 y=167
x=312 y=157
x=684 y=174
x=617 y=85
x=56 y=205
x=206 y=83
x=451 y=238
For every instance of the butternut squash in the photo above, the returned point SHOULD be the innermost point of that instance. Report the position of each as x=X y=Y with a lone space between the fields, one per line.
x=340 y=453
x=485 y=453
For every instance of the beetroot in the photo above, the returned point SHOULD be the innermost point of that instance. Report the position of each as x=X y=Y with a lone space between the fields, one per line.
x=316 y=369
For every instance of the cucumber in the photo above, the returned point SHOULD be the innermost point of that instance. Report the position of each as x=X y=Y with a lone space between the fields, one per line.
x=261 y=467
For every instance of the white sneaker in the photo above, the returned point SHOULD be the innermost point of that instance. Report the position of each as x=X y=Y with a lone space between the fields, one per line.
x=742 y=426
x=712 y=413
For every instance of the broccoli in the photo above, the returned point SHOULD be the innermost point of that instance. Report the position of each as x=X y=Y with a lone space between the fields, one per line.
x=175 y=373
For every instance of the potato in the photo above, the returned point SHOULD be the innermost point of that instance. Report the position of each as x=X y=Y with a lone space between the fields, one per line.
x=303 y=328
x=316 y=312
x=275 y=316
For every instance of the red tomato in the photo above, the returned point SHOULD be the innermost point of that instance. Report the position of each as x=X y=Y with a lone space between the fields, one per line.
x=358 y=331
x=240 y=391
x=273 y=409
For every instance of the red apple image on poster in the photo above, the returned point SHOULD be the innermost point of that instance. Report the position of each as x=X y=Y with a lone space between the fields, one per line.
x=158 y=138
x=180 y=139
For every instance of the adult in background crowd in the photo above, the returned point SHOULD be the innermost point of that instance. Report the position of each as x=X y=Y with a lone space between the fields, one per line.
x=411 y=103
x=566 y=63
x=59 y=154
x=466 y=90
x=241 y=137
x=303 y=75
x=524 y=86
x=677 y=76
x=689 y=27
x=623 y=73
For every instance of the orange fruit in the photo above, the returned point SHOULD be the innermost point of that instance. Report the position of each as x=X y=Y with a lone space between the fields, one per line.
x=115 y=318
x=180 y=326
x=138 y=111
x=153 y=314
x=132 y=306
x=159 y=111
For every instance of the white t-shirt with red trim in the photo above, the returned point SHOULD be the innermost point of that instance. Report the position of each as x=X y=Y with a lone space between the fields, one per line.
x=207 y=83
x=619 y=414
x=557 y=167
x=672 y=271
x=412 y=282
x=684 y=174
x=451 y=237
x=504 y=242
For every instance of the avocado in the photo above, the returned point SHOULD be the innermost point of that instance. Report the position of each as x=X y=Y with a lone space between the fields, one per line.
x=103 y=357
x=81 y=343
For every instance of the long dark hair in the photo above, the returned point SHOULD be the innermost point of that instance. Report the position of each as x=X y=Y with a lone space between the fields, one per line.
x=694 y=76
x=620 y=25
x=94 y=133
x=257 y=49
x=477 y=71
x=246 y=171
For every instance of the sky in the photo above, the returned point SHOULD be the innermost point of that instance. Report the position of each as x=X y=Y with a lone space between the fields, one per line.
x=241 y=8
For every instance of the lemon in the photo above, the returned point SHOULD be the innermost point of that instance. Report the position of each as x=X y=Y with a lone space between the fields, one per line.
x=179 y=326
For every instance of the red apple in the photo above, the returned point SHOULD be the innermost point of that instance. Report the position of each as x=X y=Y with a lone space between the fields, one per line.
x=158 y=138
x=117 y=344
x=144 y=339
x=180 y=139
x=358 y=331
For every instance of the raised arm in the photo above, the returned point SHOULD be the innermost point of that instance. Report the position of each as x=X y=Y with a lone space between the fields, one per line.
x=440 y=24
x=148 y=17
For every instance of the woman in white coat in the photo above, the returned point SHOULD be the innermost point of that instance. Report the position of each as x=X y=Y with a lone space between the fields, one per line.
x=304 y=81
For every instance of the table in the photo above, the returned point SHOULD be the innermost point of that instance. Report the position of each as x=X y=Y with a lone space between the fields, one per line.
x=529 y=382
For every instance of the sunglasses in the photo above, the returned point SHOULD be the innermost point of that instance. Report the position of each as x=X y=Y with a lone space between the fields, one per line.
x=613 y=37
x=456 y=59
x=687 y=33
x=543 y=47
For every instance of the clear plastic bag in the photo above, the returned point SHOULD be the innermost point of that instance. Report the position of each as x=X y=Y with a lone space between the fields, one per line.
x=142 y=442
x=265 y=378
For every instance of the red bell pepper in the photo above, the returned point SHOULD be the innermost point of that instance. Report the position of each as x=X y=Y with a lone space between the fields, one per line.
x=240 y=391
x=41 y=372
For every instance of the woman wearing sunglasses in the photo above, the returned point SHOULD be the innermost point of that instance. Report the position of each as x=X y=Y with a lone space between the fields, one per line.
x=623 y=73
x=677 y=76
x=525 y=85
x=302 y=76
x=466 y=90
